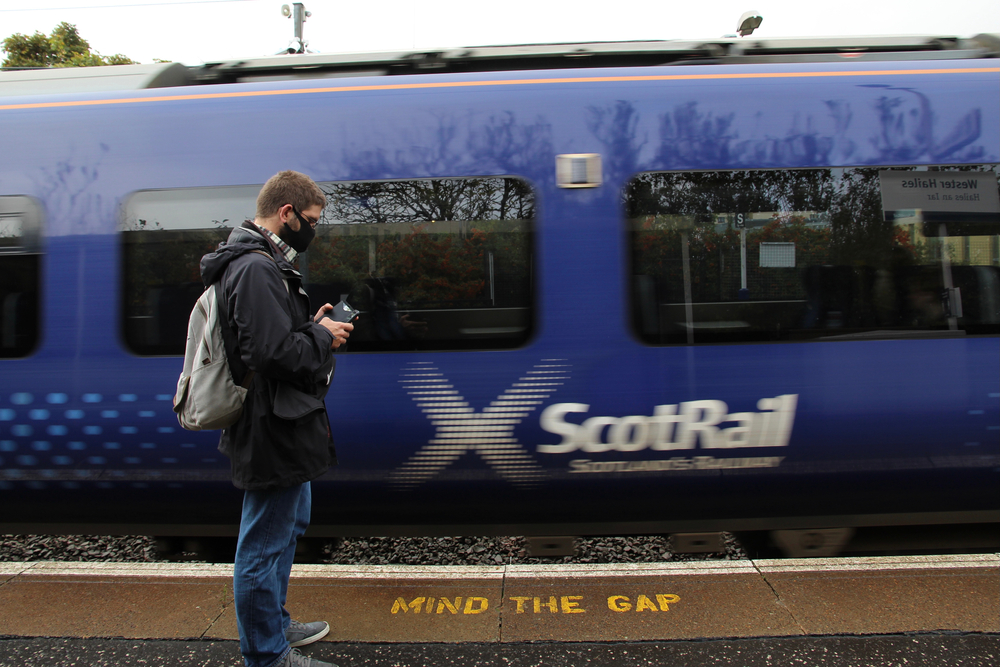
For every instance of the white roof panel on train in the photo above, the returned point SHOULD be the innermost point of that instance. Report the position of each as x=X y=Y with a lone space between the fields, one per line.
x=524 y=57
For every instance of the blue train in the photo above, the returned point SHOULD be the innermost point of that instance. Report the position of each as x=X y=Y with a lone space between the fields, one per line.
x=675 y=287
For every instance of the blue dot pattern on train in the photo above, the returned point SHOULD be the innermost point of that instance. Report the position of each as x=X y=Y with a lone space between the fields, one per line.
x=27 y=459
x=37 y=463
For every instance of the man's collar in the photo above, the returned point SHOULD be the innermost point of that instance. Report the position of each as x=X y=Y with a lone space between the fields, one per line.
x=283 y=247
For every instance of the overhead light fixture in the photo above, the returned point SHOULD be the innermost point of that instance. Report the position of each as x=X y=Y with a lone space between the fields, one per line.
x=749 y=22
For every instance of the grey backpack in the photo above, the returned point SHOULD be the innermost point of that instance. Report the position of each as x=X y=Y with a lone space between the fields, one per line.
x=207 y=397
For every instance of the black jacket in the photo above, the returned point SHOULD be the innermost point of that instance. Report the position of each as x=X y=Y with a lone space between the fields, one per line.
x=283 y=437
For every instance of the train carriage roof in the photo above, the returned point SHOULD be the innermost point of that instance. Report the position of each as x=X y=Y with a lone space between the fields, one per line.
x=497 y=59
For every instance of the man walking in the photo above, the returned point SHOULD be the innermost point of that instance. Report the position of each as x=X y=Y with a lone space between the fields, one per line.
x=283 y=440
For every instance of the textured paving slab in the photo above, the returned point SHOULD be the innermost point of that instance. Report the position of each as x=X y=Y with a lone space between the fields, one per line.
x=513 y=604
x=111 y=600
x=886 y=595
x=394 y=604
x=641 y=602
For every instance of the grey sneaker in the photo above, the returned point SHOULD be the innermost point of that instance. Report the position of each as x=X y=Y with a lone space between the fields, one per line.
x=295 y=659
x=302 y=634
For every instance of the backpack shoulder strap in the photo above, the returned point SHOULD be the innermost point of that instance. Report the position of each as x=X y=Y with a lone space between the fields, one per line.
x=236 y=365
x=266 y=254
x=261 y=252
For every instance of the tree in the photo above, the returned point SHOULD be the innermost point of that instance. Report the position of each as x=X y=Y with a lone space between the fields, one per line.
x=64 y=48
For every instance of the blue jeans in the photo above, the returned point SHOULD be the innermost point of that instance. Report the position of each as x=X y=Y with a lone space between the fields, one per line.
x=272 y=522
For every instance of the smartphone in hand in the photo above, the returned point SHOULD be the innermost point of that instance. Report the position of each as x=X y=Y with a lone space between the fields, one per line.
x=342 y=312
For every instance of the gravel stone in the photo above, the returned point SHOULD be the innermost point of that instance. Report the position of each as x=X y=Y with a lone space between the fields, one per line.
x=512 y=551
x=376 y=550
x=77 y=548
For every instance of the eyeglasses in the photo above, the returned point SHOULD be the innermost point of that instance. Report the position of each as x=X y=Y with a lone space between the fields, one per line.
x=304 y=220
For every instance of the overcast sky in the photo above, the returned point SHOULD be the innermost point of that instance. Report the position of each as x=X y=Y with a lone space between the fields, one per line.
x=197 y=31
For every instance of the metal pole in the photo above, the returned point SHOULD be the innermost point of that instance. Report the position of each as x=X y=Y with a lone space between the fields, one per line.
x=743 y=258
x=741 y=224
x=299 y=16
x=493 y=297
x=688 y=309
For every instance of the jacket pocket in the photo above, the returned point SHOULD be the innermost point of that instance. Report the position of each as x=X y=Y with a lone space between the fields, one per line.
x=291 y=404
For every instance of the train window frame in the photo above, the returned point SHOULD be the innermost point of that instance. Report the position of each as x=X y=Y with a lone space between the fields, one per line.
x=648 y=298
x=482 y=330
x=19 y=339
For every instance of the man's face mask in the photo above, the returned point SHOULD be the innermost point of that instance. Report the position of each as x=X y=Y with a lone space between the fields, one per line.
x=298 y=240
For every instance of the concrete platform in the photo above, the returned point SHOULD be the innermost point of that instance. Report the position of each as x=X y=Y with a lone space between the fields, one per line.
x=512 y=604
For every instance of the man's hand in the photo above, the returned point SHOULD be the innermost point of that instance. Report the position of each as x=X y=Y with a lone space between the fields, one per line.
x=340 y=330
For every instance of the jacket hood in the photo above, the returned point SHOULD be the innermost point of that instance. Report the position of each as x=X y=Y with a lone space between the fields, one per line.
x=241 y=240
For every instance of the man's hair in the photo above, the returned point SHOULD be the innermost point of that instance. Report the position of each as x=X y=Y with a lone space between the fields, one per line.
x=288 y=187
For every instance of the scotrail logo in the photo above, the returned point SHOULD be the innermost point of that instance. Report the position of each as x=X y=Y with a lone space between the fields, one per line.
x=672 y=427
x=460 y=429
x=490 y=433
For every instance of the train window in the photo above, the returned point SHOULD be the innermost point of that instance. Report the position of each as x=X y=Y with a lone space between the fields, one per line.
x=814 y=254
x=164 y=235
x=436 y=264
x=20 y=266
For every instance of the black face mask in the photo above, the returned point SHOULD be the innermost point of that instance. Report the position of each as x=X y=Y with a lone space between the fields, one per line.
x=298 y=240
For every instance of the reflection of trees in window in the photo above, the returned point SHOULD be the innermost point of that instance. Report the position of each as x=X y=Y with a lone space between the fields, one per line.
x=701 y=207
x=617 y=129
x=860 y=233
x=439 y=241
x=691 y=137
x=337 y=259
x=855 y=267
x=447 y=144
x=428 y=200
x=421 y=245
x=714 y=258
x=20 y=255
x=162 y=280
x=435 y=269
x=708 y=194
x=908 y=132
x=430 y=263
x=155 y=256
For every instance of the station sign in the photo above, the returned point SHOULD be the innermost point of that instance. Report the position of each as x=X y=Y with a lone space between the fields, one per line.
x=968 y=202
